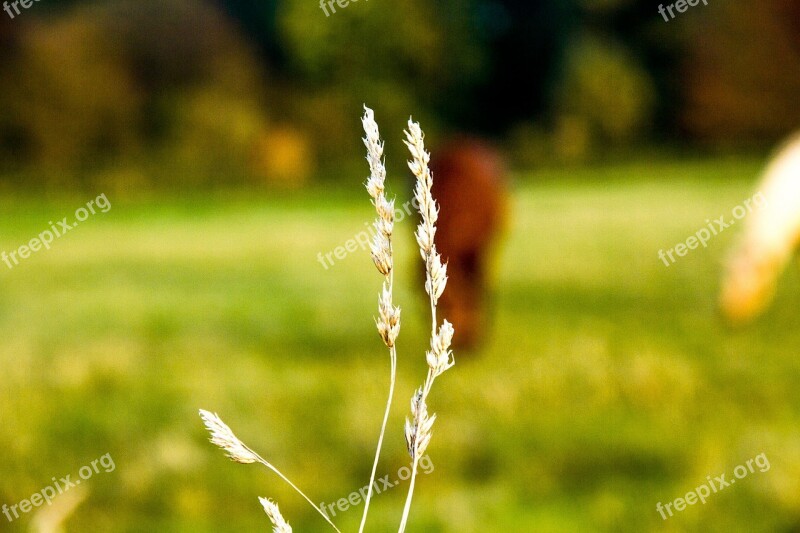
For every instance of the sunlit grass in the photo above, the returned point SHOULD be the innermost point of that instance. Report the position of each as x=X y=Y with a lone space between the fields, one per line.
x=608 y=384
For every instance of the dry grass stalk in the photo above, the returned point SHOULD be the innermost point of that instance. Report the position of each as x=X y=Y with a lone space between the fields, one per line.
x=223 y=437
x=388 y=321
x=439 y=358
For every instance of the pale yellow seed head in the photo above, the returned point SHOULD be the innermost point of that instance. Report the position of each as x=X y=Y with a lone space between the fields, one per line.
x=274 y=514
x=222 y=436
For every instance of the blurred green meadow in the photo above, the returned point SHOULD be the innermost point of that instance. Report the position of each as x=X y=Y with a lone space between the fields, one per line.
x=608 y=384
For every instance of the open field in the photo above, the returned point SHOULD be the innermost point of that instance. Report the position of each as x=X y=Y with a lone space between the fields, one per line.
x=609 y=383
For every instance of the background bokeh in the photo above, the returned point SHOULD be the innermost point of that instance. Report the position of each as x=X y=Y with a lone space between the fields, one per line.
x=163 y=95
x=226 y=136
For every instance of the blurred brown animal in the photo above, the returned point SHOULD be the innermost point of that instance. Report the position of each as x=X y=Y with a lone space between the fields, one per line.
x=469 y=185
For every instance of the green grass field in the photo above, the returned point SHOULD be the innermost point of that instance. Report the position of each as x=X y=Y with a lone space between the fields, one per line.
x=609 y=383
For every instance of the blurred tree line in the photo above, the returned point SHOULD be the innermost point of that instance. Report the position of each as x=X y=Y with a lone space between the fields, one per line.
x=139 y=93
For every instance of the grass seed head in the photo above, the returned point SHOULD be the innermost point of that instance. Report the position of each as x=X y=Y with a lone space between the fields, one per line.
x=274 y=514
x=222 y=436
